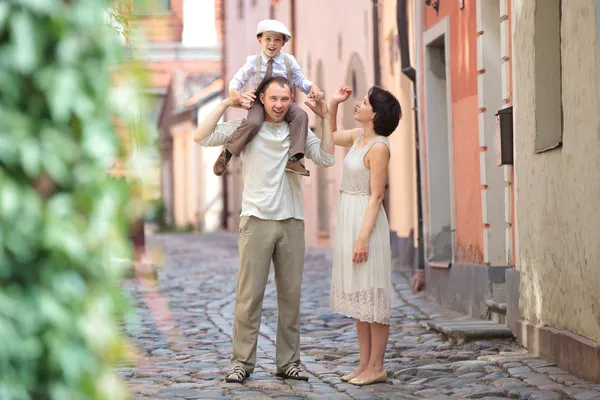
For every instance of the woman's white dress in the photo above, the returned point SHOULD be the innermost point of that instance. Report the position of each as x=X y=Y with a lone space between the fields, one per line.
x=362 y=291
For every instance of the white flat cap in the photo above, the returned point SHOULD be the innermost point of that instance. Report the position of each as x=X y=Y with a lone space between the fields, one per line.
x=272 y=25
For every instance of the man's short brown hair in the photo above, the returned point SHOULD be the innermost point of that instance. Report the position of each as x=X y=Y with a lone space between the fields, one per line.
x=280 y=80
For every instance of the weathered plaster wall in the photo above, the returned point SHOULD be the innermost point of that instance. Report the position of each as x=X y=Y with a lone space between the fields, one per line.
x=558 y=192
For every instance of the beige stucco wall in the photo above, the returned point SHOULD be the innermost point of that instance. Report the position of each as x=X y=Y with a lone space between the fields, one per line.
x=197 y=197
x=402 y=171
x=558 y=192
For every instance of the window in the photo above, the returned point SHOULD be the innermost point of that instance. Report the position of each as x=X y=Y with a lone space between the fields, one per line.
x=254 y=2
x=354 y=84
x=548 y=77
x=149 y=6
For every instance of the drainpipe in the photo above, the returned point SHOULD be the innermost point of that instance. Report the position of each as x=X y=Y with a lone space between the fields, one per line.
x=410 y=73
x=224 y=180
x=294 y=39
x=293 y=23
x=376 y=65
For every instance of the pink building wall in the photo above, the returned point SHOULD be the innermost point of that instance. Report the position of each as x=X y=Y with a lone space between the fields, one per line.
x=241 y=18
x=334 y=39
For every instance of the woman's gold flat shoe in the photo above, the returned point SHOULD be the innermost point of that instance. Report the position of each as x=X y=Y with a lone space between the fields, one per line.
x=381 y=378
x=347 y=378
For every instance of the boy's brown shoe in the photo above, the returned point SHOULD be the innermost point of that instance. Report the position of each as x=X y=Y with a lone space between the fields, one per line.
x=297 y=168
x=221 y=164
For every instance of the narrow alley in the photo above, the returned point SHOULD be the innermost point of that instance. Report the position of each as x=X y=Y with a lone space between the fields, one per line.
x=182 y=330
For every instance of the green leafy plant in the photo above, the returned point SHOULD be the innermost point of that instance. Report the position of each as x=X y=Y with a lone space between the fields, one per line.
x=63 y=218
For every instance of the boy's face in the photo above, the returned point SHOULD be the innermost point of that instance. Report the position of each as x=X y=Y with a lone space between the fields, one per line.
x=271 y=43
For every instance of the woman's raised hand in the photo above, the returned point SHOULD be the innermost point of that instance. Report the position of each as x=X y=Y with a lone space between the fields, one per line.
x=342 y=94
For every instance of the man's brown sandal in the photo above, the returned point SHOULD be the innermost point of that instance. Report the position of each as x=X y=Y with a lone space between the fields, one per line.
x=237 y=374
x=293 y=372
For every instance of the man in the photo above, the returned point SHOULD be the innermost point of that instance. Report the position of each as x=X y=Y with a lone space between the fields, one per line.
x=271 y=225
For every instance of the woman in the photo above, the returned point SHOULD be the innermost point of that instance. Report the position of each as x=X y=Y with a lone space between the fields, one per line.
x=361 y=281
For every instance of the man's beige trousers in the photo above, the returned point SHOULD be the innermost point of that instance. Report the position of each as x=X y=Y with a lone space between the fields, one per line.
x=260 y=242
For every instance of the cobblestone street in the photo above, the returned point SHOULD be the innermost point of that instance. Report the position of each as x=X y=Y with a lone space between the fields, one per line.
x=184 y=351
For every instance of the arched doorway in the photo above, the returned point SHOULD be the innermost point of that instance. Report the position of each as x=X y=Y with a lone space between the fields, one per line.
x=355 y=78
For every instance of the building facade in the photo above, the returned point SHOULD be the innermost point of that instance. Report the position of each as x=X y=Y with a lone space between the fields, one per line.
x=182 y=51
x=464 y=79
x=402 y=199
x=557 y=166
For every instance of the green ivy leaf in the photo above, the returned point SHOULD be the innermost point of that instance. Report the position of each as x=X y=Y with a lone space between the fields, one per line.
x=9 y=199
x=4 y=15
x=27 y=43
x=31 y=156
x=41 y=6
x=64 y=93
x=99 y=140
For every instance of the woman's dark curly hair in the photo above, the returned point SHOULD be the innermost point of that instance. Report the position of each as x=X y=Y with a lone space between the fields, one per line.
x=387 y=111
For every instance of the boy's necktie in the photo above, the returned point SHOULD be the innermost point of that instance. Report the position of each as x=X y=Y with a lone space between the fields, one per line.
x=269 y=72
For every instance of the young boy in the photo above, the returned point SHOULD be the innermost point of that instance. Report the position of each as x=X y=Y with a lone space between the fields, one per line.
x=272 y=36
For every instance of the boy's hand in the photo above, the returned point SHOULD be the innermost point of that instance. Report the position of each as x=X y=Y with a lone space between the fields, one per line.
x=248 y=99
x=319 y=107
x=315 y=93
x=236 y=97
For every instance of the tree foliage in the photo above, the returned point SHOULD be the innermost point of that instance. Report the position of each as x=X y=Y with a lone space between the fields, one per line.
x=63 y=218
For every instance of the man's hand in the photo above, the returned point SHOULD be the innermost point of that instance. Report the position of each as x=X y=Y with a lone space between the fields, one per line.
x=315 y=93
x=342 y=94
x=245 y=101
x=319 y=107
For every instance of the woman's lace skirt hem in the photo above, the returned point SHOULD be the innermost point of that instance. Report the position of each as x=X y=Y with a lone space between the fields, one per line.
x=367 y=305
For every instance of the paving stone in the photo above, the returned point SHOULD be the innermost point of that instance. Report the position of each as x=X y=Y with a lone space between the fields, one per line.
x=504 y=382
x=551 y=370
x=566 y=379
x=428 y=393
x=521 y=393
x=486 y=393
x=437 y=367
x=512 y=365
x=488 y=369
x=425 y=373
x=408 y=371
x=588 y=395
x=469 y=368
x=472 y=375
x=519 y=371
x=171 y=393
x=545 y=395
x=538 y=380
x=494 y=376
